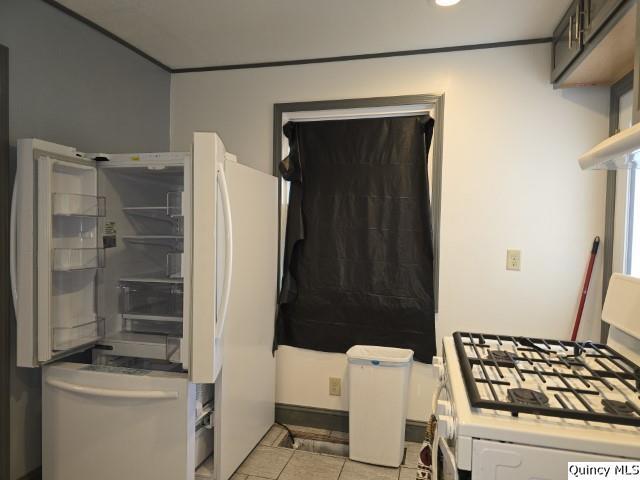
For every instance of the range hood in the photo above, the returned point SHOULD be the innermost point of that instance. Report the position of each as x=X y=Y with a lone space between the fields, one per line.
x=615 y=153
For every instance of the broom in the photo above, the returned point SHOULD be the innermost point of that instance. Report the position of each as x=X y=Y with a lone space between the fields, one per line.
x=585 y=287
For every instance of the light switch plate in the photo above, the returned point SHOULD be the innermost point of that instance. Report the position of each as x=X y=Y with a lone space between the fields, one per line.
x=513 y=259
x=335 y=386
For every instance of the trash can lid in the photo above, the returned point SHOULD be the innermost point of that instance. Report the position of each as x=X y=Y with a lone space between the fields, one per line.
x=381 y=354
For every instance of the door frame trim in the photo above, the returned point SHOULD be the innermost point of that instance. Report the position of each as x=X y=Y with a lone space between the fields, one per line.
x=437 y=100
x=618 y=89
x=5 y=287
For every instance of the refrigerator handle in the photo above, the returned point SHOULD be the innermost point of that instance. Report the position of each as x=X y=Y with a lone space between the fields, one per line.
x=228 y=258
x=12 y=249
x=111 y=393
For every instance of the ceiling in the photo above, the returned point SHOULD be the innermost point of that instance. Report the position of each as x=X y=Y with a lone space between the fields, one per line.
x=197 y=33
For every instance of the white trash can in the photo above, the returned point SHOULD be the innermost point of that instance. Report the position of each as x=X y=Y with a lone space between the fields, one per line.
x=378 y=396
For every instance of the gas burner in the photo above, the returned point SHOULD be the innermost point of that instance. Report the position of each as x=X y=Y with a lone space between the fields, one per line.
x=527 y=397
x=570 y=360
x=615 y=407
x=500 y=356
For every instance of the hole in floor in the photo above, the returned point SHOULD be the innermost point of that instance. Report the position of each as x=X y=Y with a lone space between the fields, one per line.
x=328 y=443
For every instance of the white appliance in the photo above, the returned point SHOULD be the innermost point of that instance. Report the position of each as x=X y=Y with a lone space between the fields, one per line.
x=615 y=152
x=145 y=287
x=516 y=408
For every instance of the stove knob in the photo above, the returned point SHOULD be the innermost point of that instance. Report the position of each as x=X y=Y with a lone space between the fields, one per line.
x=438 y=368
x=446 y=426
x=443 y=408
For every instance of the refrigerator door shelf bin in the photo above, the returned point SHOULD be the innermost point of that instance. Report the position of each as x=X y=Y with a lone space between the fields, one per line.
x=67 y=338
x=78 y=205
x=71 y=259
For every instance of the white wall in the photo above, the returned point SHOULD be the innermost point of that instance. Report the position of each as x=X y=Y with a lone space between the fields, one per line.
x=510 y=180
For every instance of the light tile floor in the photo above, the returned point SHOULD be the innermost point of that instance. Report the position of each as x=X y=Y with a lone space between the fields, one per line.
x=269 y=461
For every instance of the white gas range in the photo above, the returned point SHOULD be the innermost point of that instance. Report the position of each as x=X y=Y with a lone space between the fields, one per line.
x=516 y=408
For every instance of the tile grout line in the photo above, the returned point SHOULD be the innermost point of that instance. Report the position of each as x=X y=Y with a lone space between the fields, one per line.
x=285 y=465
x=341 y=469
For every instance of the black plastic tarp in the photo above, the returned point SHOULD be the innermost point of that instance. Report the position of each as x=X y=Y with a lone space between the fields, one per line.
x=358 y=256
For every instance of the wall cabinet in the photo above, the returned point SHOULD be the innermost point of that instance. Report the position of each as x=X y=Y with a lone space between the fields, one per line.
x=595 y=16
x=594 y=43
x=566 y=44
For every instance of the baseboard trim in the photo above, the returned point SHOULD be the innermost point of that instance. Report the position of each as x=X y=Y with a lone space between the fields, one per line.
x=35 y=474
x=337 y=420
x=415 y=430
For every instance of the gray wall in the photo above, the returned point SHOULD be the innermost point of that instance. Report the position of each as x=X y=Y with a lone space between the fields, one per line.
x=72 y=85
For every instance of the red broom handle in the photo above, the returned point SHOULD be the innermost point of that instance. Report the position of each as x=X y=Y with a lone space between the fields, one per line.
x=585 y=288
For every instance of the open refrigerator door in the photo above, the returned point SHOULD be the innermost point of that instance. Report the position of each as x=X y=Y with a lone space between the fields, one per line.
x=56 y=254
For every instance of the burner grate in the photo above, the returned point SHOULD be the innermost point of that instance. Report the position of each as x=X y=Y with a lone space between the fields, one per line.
x=578 y=371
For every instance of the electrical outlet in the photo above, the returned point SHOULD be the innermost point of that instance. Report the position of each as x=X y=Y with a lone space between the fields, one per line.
x=513 y=260
x=335 y=386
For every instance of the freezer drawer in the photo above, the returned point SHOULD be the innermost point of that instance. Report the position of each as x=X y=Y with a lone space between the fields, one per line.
x=104 y=423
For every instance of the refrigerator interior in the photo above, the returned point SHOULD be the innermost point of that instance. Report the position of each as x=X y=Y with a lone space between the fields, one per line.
x=141 y=285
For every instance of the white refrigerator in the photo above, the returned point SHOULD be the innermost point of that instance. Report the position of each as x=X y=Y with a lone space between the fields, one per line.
x=145 y=288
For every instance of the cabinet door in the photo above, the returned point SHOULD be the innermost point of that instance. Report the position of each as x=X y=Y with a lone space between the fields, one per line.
x=566 y=42
x=596 y=15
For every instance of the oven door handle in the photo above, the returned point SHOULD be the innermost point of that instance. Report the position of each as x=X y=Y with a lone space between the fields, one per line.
x=449 y=464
